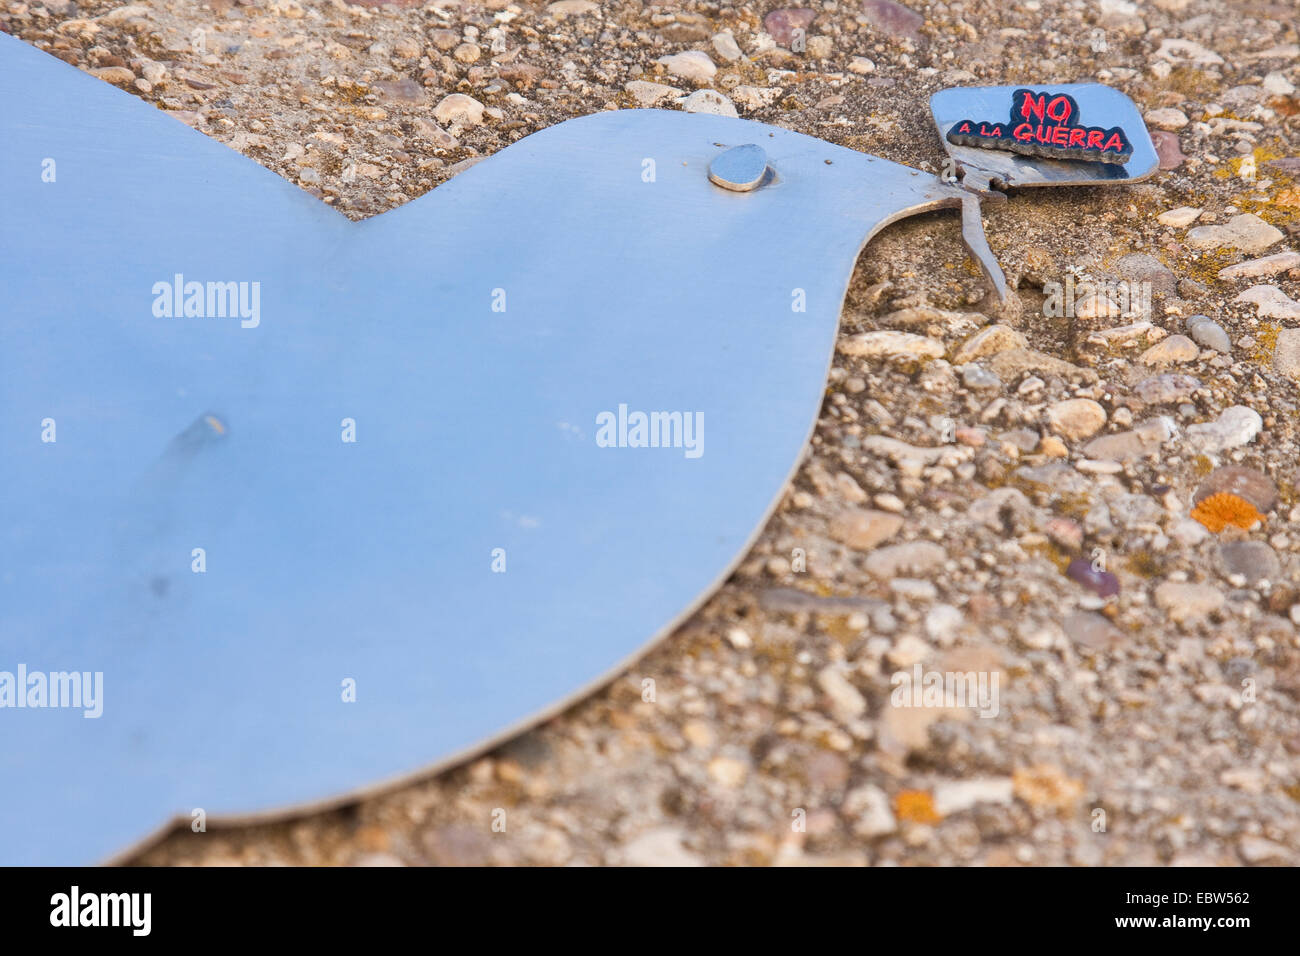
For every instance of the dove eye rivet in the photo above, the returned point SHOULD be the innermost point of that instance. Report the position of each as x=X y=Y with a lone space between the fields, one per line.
x=740 y=168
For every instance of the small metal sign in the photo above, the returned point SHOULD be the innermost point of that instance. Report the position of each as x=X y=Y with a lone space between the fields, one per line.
x=1054 y=135
x=1045 y=124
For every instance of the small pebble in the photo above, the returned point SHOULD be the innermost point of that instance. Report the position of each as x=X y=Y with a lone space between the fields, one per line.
x=1250 y=562
x=1208 y=334
x=1179 y=218
x=1249 y=484
x=709 y=101
x=1235 y=427
x=1246 y=232
x=1102 y=583
x=1167 y=118
x=1172 y=350
x=1270 y=302
x=1076 y=418
x=783 y=23
x=693 y=66
x=458 y=109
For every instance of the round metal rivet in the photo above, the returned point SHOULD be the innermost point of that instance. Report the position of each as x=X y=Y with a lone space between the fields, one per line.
x=740 y=168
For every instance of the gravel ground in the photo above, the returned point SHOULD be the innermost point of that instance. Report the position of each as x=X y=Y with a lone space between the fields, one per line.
x=1097 y=510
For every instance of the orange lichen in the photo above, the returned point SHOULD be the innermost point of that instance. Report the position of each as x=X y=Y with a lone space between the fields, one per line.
x=1223 y=509
x=1289 y=198
x=916 y=806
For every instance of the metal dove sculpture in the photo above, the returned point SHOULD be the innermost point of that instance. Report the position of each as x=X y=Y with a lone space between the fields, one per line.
x=297 y=507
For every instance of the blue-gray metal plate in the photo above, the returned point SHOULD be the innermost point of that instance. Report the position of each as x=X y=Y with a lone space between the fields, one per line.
x=473 y=338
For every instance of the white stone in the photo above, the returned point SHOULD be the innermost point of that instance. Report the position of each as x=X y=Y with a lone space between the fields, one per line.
x=1175 y=49
x=1134 y=332
x=725 y=45
x=907 y=651
x=1189 y=532
x=1143 y=439
x=1267 y=266
x=942 y=622
x=891 y=344
x=1180 y=217
x=649 y=94
x=458 y=110
x=1256 y=849
x=572 y=8
x=845 y=700
x=739 y=638
x=1270 y=302
x=1209 y=334
x=913 y=557
x=1076 y=418
x=692 y=65
x=1286 y=357
x=958 y=795
x=122 y=14
x=1246 y=232
x=1185 y=602
x=1276 y=84
x=820 y=47
x=1176 y=348
x=754 y=97
x=660 y=847
x=1167 y=118
x=869 y=807
x=989 y=341
x=1237 y=426
x=709 y=101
